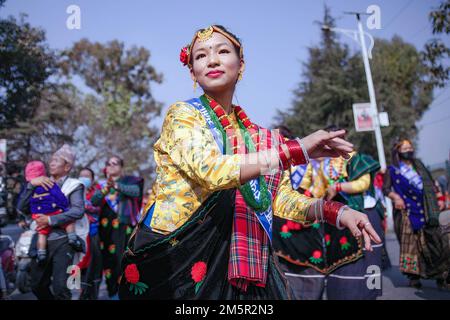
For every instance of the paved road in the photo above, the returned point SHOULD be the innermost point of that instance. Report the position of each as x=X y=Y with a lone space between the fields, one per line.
x=395 y=285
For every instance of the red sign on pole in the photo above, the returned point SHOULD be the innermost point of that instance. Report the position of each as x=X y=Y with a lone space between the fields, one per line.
x=363 y=117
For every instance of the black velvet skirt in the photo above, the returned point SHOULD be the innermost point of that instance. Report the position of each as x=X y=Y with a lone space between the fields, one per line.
x=192 y=261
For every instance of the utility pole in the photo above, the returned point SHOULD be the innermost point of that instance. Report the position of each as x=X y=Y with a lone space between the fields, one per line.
x=373 y=103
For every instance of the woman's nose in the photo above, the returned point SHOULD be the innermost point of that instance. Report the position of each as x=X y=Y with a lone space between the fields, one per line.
x=213 y=60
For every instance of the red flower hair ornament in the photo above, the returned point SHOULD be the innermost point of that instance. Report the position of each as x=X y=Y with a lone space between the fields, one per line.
x=184 y=55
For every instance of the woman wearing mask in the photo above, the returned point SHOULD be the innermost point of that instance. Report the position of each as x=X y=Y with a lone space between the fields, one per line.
x=410 y=186
x=91 y=265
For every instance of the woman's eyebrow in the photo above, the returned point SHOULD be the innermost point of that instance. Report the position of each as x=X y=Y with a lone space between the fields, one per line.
x=216 y=46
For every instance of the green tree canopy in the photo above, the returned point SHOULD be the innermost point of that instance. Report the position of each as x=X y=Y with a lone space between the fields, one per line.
x=436 y=54
x=26 y=62
x=95 y=96
x=333 y=79
x=114 y=116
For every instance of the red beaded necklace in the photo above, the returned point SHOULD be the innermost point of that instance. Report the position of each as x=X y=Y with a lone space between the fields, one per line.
x=226 y=124
x=251 y=144
x=339 y=173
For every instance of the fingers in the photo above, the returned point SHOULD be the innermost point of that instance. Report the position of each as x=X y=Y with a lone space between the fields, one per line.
x=372 y=233
x=367 y=244
x=39 y=225
x=48 y=183
x=44 y=182
x=354 y=229
x=359 y=224
x=335 y=134
x=340 y=146
x=342 y=142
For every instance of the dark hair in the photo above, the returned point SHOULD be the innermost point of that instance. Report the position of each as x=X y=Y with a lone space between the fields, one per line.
x=90 y=170
x=226 y=31
x=395 y=150
x=285 y=132
x=116 y=157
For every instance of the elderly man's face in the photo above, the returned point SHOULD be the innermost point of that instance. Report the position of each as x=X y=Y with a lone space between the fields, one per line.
x=58 y=166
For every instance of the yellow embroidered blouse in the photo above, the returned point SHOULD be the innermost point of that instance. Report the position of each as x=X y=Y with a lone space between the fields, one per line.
x=190 y=167
x=318 y=183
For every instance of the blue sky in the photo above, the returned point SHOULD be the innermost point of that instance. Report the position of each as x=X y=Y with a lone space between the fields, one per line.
x=275 y=34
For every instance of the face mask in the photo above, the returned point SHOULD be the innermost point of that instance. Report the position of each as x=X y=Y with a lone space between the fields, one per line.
x=87 y=182
x=406 y=155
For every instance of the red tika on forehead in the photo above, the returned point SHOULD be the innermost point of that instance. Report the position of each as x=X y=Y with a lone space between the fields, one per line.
x=204 y=35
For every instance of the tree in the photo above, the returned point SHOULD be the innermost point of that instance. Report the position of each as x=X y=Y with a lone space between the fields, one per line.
x=41 y=107
x=436 y=54
x=48 y=129
x=402 y=87
x=115 y=117
x=26 y=63
x=334 y=79
x=324 y=95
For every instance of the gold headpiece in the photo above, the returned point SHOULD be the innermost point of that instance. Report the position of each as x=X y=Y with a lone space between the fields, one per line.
x=204 y=35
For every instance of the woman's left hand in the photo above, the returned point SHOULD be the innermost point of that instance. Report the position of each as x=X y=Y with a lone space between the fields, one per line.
x=327 y=144
x=359 y=224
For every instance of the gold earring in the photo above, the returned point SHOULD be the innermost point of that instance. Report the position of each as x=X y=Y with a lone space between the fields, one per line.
x=195 y=85
x=240 y=76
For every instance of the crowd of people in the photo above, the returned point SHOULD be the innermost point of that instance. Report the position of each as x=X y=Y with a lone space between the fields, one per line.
x=78 y=222
x=236 y=211
x=315 y=253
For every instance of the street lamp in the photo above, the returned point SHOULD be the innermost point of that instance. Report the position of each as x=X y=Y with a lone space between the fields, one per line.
x=355 y=34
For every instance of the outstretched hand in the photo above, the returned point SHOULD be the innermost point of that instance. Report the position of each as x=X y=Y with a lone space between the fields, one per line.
x=359 y=224
x=327 y=144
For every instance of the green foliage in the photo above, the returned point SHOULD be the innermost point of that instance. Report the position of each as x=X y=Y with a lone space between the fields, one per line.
x=436 y=54
x=43 y=106
x=117 y=112
x=25 y=65
x=334 y=79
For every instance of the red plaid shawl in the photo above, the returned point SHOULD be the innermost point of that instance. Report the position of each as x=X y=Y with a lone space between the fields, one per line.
x=249 y=248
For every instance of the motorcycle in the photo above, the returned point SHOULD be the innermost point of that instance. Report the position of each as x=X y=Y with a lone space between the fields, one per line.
x=22 y=252
x=7 y=266
x=3 y=203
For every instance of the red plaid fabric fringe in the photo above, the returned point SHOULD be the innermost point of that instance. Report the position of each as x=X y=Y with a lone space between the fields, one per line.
x=249 y=248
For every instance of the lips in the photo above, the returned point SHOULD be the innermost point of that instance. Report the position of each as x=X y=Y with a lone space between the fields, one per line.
x=214 y=74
